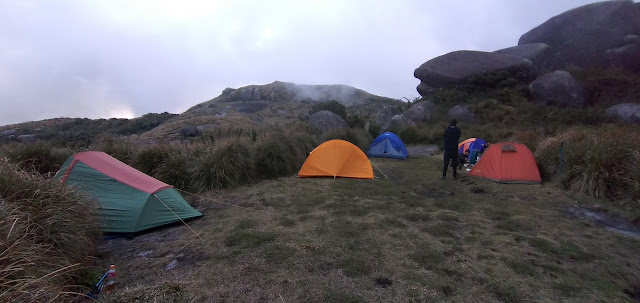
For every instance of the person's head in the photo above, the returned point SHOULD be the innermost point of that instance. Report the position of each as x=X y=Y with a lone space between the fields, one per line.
x=454 y=122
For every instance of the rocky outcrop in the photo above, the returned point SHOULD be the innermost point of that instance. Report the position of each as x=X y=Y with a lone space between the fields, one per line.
x=626 y=57
x=558 y=88
x=27 y=138
x=325 y=120
x=398 y=122
x=420 y=112
x=189 y=131
x=249 y=107
x=462 y=113
x=625 y=112
x=581 y=36
x=631 y=39
x=385 y=114
x=537 y=53
x=8 y=132
x=457 y=67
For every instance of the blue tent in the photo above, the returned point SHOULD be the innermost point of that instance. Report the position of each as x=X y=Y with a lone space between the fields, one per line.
x=388 y=145
x=475 y=147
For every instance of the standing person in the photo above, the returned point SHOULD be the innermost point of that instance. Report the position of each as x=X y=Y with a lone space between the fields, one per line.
x=451 y=138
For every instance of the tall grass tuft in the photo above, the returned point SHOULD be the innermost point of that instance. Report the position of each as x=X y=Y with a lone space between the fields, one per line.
x=47 y=233
x=227 y=165
x=149 y=159
x=280 y=155
x=119 y=148
x=39 y=157
x=601 y=163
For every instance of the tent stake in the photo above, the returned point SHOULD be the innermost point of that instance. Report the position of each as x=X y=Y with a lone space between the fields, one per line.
x=165 y=205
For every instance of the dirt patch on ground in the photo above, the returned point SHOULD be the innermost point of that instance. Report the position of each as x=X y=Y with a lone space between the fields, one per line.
x=423 y=150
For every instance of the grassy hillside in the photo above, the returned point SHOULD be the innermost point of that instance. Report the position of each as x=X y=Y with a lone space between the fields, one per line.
x=412 y=238
x=77 y=132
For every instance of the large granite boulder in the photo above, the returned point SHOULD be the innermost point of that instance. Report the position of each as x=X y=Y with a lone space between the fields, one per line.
x=626 y=57
x=420 y=112
x=398 y=122
x=385 y=114
x=534 y=52
x=325 y=120
x=462 y=113
x=580 y=37
x=625 y=112
x=457 y=67
x=558 y=88
x=189 y=131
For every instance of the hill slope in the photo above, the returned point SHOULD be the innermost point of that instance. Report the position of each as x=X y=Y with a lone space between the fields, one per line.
x=262 y=106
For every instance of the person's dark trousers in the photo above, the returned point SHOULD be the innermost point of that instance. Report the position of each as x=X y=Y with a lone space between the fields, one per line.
x=453 y=157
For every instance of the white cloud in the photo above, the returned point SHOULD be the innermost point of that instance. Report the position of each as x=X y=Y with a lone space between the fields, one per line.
x=85 y=58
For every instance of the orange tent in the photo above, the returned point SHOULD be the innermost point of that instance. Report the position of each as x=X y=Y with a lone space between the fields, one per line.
x=507 y=163
x=337 y=158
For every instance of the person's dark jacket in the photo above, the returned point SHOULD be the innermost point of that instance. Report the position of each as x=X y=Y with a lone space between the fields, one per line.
x=451 y=138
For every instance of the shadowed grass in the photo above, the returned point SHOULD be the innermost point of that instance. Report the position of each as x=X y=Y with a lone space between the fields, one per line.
x=47 y=233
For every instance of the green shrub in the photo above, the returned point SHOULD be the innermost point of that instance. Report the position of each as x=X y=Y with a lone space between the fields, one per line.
x=359 y=137
x=332 y=106
x=601 y=163
x=607 y=87
x=47 y=233
x=375 y=130
x=39 y=157
x=416 y=134
x=228 y=165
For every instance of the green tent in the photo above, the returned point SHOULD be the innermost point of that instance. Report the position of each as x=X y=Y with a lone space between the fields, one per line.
x=129 y=200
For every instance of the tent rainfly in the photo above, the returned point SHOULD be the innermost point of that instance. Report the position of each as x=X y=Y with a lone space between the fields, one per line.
x=128 y=200
x=337 y=158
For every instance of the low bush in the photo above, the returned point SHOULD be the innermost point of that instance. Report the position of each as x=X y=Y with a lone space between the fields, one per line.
x=47 y=233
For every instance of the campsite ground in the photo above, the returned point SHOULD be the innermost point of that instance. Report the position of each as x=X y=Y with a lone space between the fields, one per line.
x=408 y=238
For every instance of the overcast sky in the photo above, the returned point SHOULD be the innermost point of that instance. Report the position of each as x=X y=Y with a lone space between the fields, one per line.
x=125 y=58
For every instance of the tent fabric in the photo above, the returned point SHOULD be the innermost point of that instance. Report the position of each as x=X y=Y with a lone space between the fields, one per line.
x=117 y=170
x=124 y=208
x=388 y=145
x=464 y=145
x=337 y=158
x=471 y=144
x=514 y=164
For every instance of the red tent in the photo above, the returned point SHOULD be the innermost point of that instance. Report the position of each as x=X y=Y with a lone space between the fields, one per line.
x=507 y=163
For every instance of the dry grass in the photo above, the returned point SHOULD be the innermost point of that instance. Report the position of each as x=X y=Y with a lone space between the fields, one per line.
x=413 y=238
x=47 y=234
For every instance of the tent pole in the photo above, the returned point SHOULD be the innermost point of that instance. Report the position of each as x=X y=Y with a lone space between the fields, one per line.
x=165 y=205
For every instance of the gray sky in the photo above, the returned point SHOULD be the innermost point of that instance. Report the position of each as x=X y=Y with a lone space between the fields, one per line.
x=125 y=58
